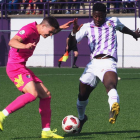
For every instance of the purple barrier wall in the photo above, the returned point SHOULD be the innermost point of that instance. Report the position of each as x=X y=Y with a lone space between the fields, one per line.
x=4 y=39
x=60 y=44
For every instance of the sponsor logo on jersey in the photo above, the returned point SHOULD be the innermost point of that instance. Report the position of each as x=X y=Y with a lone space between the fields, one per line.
x=110 y=25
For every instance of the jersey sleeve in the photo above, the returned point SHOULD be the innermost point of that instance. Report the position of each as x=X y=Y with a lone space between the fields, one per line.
x=81 y=33
x=24 y=33
x=119 y=25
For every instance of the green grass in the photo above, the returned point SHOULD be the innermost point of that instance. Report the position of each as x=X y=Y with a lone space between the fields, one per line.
x=25 y=124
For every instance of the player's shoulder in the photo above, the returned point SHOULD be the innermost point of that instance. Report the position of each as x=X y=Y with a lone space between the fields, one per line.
x=114 y=19
x=27 y=29
x=30 y=25
x=86 y=25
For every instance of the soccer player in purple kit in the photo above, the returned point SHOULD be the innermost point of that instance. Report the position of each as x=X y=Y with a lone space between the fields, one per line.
x=22 y=47
x=102 y=41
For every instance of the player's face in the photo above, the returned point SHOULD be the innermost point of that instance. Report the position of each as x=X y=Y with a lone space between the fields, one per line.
x=99 y=18
x=47 y=31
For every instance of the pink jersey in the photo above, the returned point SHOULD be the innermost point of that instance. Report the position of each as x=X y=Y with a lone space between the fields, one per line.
x=29 y=34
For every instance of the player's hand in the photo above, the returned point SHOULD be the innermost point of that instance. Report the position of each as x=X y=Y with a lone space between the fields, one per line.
x=137 y=34
x=30 y=45
x=66 y=25
x=75 y=25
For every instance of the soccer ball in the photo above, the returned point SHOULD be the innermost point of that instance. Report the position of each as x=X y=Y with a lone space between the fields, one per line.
x=70 y=124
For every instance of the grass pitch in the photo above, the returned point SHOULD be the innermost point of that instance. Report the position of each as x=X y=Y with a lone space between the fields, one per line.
x=25 y=124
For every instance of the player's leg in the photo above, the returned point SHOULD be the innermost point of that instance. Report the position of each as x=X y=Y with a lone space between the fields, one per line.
x=45 y=111
x=84 y=92
x=29 y=96
x=23 y=80
x=88 y=81
x=82 y=101
x=75 y=59
x=28 y=88
x=110 y=82
x=106 y=70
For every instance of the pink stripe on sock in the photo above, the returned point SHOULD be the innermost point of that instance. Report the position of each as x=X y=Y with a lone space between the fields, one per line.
x=45 y=112
x=20 y=102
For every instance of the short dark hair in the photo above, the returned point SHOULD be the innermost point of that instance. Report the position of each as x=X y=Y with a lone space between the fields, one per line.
x=99 y=7
x=52 y=21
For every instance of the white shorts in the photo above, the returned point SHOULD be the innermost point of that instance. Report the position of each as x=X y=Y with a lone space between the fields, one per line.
x=96 y=69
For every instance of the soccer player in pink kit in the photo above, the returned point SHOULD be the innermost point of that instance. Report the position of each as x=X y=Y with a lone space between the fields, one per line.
x=22 y=47
x=102 y=41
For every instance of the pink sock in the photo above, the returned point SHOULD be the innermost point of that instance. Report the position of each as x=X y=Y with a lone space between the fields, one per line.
x=20 y=102
x=45 y=112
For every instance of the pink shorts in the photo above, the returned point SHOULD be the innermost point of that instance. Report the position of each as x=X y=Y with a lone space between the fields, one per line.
x=20 y=75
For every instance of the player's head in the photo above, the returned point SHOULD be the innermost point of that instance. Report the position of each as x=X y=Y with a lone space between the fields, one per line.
x=48 y=26
x=99 y=14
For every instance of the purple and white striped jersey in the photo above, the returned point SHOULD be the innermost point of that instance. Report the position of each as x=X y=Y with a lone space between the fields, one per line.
x=101 y=40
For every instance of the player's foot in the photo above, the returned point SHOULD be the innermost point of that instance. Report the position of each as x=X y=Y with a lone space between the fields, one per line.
x=82 y=123
x=2 y=117
x=59 y=64
x=50 y=134
x=74 y=66
x=114 y=113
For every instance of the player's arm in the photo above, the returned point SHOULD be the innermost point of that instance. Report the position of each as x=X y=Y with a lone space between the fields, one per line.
x=64 y=26
x=135 y=34
x=122 y=28
x=72 y=37
x=16 y=42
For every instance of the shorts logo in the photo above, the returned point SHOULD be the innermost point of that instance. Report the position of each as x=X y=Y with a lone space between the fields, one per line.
x=22 y=32
x=28 y=76
x=113 y=66
x=19 y=81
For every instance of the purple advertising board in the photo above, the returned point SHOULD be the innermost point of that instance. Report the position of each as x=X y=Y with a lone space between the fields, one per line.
x=4 y=39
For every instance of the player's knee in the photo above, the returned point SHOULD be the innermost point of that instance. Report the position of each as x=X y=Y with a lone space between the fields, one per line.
x=44 y=94
x=34 y=93
x=110 y=86
x=82 y=97
x=48 y=93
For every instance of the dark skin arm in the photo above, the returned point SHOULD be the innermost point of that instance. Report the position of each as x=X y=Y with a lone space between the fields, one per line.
x=135 y=34
x=76 y=28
